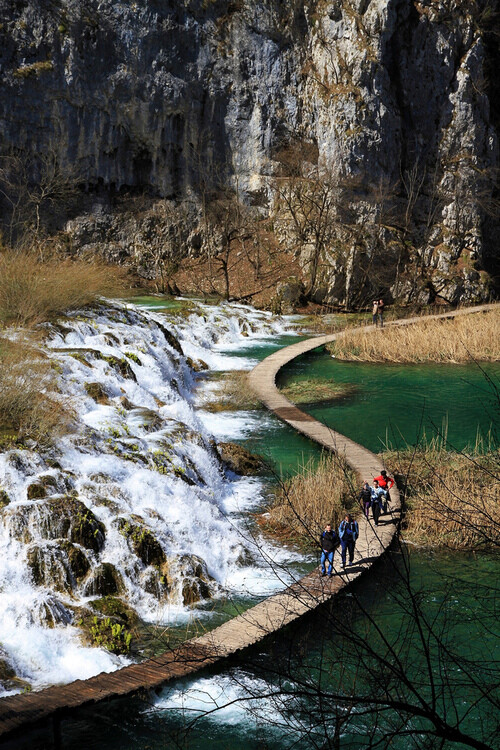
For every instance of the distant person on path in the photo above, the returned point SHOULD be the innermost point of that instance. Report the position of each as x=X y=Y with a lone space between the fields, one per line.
x=378 y=497
x=375 y=312
x=366 y=498
x=387 y=483
x=328 y=543
x=381 y=312
x=348 y=533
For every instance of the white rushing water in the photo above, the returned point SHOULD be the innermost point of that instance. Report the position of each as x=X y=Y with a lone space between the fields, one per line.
x=136 y=503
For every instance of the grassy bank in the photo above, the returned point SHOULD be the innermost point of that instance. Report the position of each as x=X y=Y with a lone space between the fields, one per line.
x=34 y=291
x=462 y=339
x=318 y=494
x=452 y=499
x=27 y=408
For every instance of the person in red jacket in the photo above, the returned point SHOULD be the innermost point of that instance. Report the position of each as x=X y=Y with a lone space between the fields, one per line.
x=386 y=482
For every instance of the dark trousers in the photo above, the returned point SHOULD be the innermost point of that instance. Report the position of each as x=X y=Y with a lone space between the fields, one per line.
x=376 y=512
x=366 y=508
x=347 y=545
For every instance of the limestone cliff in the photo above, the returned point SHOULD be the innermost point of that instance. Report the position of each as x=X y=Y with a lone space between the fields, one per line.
x=167 y=97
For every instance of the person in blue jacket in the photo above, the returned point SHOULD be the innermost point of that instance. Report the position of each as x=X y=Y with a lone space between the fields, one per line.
x=348 y=533
x=328 y=543
x=378 y=497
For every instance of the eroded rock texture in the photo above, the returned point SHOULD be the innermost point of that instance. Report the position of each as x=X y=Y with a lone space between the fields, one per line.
x=168 y=97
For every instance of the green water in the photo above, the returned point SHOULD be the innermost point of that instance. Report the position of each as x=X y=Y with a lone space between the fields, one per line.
x=398 y=404
x=456 y=594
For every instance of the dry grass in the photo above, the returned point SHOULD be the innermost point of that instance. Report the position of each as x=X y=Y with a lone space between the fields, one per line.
x=465 y=338
x=27 y=409
x=317 y=495
x=453 y=499
x=233 y=393
x=33 y=291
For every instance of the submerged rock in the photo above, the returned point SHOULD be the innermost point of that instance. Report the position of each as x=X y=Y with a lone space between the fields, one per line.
x=239 y=459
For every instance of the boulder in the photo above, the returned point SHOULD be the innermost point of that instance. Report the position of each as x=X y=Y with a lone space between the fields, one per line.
x=239 y=459
x=104 y=580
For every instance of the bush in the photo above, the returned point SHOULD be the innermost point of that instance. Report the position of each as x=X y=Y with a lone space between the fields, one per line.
x=34 y=291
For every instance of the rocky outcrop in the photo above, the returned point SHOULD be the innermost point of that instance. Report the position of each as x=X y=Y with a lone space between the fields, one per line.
x=173 y=99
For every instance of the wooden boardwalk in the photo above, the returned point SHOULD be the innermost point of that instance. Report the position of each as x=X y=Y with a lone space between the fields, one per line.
x=19 y=712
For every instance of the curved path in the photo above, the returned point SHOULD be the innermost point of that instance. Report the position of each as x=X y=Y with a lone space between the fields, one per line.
x=17 y=712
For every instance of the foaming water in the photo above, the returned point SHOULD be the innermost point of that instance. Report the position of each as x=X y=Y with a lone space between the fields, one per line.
x=139 y=466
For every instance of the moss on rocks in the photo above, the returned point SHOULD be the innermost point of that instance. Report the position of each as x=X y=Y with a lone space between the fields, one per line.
x=239 y=459
x=112 y=606
x=142 y=541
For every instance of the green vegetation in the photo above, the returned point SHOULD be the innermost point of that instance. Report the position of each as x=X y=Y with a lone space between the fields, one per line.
x=311 y=391
x=111 y=635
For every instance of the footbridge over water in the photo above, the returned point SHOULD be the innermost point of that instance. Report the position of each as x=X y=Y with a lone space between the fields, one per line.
x=18 y=712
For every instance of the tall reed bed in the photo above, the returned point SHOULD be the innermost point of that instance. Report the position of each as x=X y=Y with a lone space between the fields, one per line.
x=320 y=493
x=462 y=339
x=34 y=290
x=452 y=499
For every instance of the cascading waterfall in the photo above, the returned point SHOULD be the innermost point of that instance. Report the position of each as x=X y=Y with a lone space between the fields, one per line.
x=133 y=504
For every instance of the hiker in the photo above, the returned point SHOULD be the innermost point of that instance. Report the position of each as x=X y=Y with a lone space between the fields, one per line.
x=328 y=542
x=375 y=312
x=366 y=499
x=348 y=533
x=378 y=496
x=383 y=481
x=380 y=310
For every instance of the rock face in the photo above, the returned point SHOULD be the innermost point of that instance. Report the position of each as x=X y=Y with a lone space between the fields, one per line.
x=167 y=97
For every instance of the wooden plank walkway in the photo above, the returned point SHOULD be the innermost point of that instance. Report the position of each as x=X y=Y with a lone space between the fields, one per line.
x=18 y=712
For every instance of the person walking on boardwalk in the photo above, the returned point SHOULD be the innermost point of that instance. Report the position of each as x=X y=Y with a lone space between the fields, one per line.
x=366 y=498
x=328 y=543
x=375 y=312
x=378 y=496
x=386 y=482
x=380 y=311
x=348 y=533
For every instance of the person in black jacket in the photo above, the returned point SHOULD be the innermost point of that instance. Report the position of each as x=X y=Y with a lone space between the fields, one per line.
x=366 y=498
x=328 y=543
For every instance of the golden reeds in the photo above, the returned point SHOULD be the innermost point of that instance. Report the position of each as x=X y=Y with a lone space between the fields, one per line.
x=34 y=290
x=29 y=405
x=318 y=494
x=462 y=339
x=452 y=499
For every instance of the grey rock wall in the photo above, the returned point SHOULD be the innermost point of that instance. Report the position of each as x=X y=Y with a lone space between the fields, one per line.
x=169 y=96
